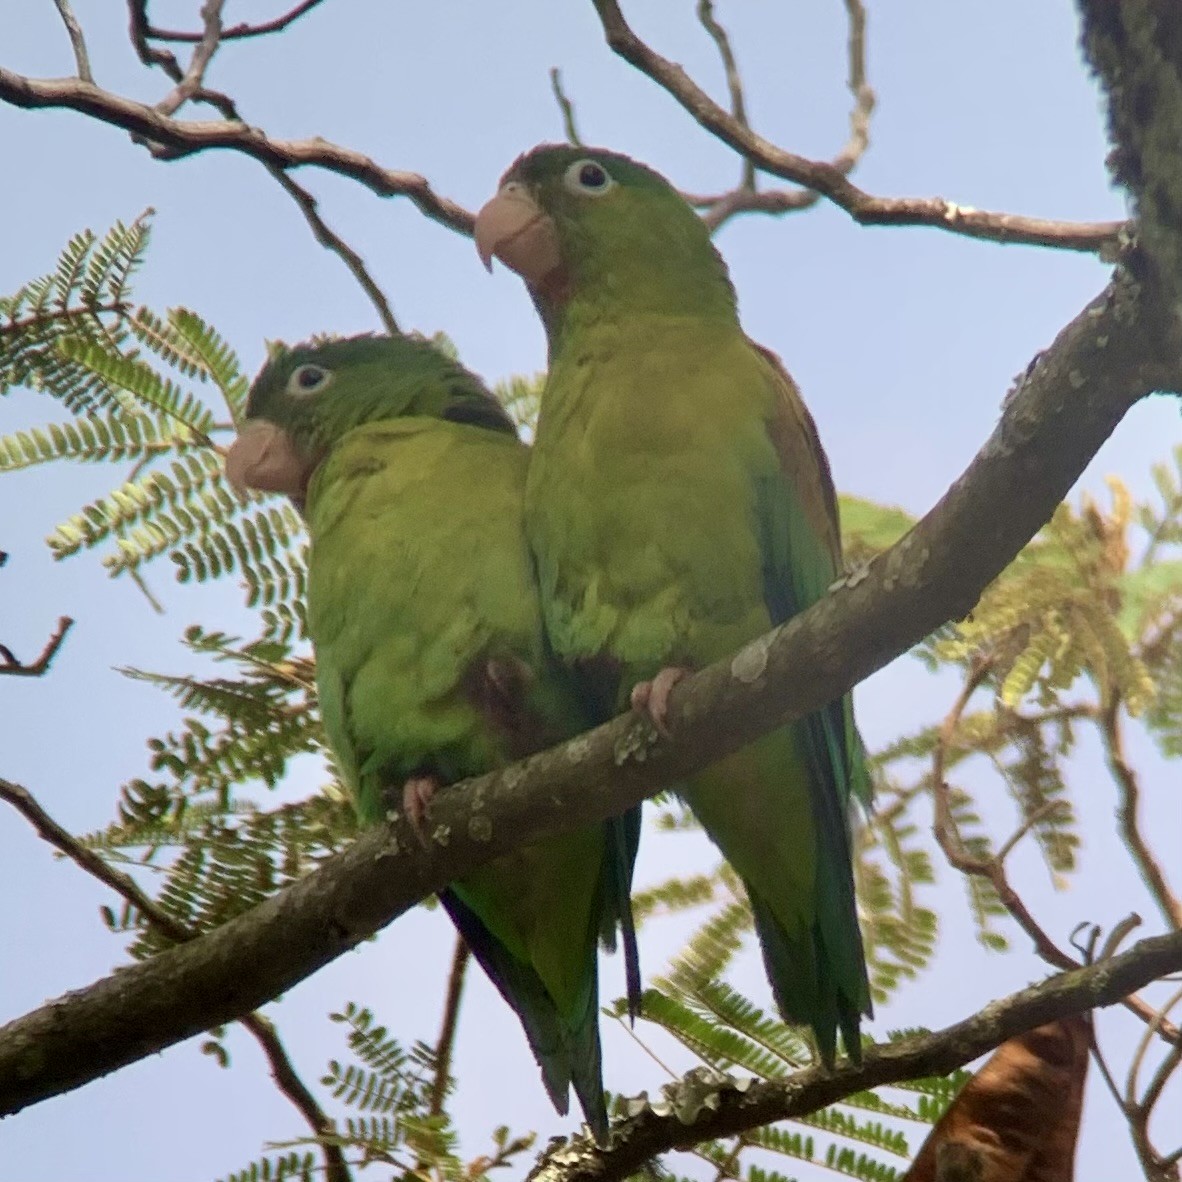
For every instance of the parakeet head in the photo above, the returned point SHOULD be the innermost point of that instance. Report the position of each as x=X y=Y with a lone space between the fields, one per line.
x=585 y=224
x=305 y=399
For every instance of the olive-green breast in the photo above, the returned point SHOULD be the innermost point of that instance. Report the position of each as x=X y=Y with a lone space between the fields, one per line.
x=418 y=570
x=641 y=500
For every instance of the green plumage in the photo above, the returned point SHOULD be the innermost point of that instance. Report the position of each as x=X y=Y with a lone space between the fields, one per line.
x=431 y=657
x=678 y=505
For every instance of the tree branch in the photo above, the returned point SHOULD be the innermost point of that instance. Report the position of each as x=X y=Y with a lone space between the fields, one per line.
x=992 y=868
x=745 y=198
x=1128 y=813
x=734 y=80
x=565 y=107
x=239 y=31
x=77 y=39
x=193 y=79
x=1135 y=48
x=10 y=666
x=287 y=1080
x=139 y=30
x=331 y=240
x=1061 y=410
x=447 y=1028
x=829 y=180
x=282 y=1071
x=722 y=1108
x=188 y=137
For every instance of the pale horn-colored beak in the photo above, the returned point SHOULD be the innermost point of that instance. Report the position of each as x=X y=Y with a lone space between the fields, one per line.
x=264 y=457
x=513 y=227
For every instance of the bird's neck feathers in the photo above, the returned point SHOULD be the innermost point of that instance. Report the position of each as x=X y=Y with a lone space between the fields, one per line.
x=678 y=276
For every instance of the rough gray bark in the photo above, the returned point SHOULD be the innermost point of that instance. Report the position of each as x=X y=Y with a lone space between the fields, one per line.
x=1135 y=48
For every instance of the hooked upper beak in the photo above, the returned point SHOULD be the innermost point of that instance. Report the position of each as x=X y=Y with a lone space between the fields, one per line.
x=264 y=457
x=513 y=227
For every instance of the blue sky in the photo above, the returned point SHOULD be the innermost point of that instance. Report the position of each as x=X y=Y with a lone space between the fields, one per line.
x=903 y=341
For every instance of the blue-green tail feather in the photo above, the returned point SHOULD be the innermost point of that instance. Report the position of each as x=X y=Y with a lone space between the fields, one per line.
x=818 y=977
x=568 y=1053
x=623 y=842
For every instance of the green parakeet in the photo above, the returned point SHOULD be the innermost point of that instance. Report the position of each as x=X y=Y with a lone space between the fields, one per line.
x=431 y=659
x=678 y=505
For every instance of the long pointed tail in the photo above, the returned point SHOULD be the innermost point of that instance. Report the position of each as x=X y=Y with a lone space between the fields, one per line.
x=568 y=1053
x=623 y=842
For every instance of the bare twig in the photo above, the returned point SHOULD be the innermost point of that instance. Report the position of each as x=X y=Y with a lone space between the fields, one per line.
x=1118 y=935
x=734 y=80
x=10 y=666
x=718 y=209
x=284 y=1074
x=141 y=584
x=447 y=1028
x=194 y=76
x=1170 y=1063
x=331 y=240
x=1039 y=814
x=77 y=40
x=1139 y=1110
x=187 y=137
x=239 y=31
x=992 y=869
x=1086 y=947
x=629 y=1029
x=859 y=87
x=944 y=825
x=138 y=26
x=829 y=180
x=1130 y=827
x=1143 y=1047
x=565 y=106
x=745 y=198
x=139 y=29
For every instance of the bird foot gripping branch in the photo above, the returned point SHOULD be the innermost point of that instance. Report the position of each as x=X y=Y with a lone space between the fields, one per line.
x=651 y=698
x=417 y=794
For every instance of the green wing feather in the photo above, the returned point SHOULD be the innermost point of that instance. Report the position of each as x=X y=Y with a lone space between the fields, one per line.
x=801 y=545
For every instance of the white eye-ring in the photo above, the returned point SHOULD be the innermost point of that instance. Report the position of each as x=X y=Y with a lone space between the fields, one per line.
x=589 y=178
x=308 y=379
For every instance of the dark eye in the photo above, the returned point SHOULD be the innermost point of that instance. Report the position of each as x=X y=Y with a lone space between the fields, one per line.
x=589 y=178
x=308 y=379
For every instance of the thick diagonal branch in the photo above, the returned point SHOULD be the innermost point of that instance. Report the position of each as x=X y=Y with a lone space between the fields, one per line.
x=1063 y=408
